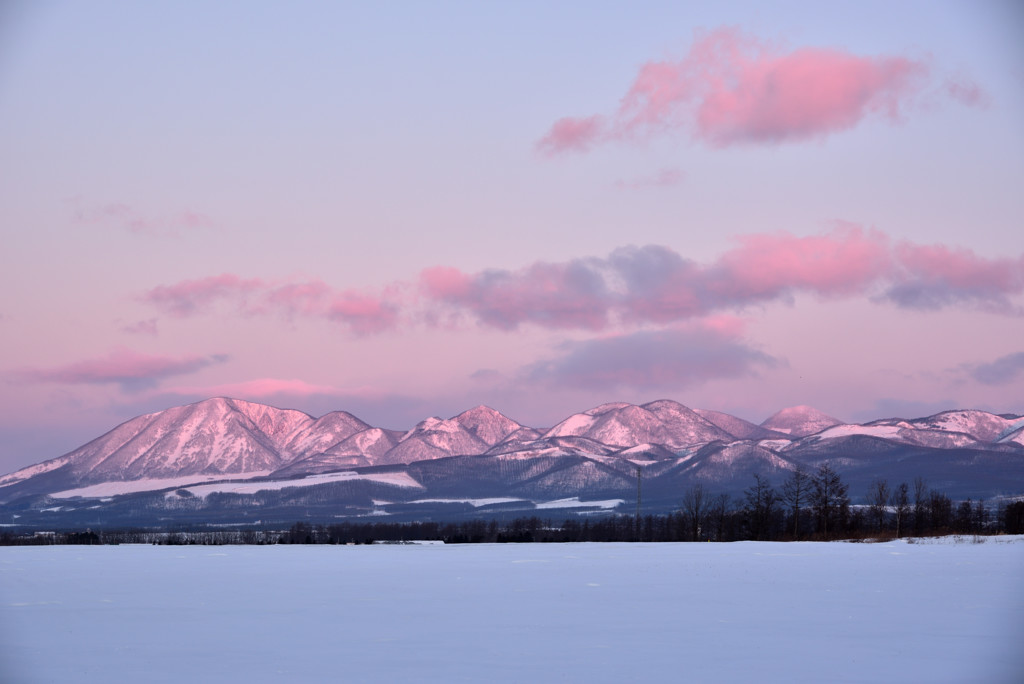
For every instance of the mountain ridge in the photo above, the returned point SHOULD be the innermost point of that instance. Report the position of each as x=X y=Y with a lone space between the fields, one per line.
x=596 y=452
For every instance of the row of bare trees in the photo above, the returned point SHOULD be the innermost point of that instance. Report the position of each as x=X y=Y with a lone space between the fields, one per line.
x=816 y=505
x=807 y=504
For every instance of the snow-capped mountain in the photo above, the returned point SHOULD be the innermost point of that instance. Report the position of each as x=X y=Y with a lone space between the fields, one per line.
x=737 y=427
x=799 y=421
x=270 y=457
x=660 y=422
x=320 y=435
x=214 y=437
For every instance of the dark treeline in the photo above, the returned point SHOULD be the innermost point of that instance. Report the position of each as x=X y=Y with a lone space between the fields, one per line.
x=805 y=507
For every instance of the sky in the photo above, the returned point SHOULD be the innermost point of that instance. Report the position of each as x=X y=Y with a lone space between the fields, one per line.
x=407 y=209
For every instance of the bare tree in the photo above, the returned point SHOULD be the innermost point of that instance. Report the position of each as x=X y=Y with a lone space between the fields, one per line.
x=901 y=506
x=940 y=511
x=796 y=492
x=878 y=500
x=717 y=515
x=696 y=502
x=829 y=499
x=761 y=503
x=980 y=516
x=920 y=504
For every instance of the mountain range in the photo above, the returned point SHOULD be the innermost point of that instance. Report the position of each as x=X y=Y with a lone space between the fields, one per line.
x=228 y=460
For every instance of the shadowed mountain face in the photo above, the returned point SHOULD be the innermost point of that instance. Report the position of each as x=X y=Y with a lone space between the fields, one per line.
x=242 y=449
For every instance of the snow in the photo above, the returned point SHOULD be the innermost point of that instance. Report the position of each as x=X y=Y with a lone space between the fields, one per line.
x=774 y=444
x=475 y=503
x=574 y=502
x=772 y=612
x=1010 y=429
x=883 y=431
x=573 y=426
x=399 y=479
x=33 y=470
x=105 y=489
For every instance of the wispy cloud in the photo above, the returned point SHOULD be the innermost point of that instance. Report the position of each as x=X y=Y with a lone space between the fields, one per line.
x=259 y=388
x=130 y=370
x=134 y=220
x=668 y=359
x=363 y=312
x=1002 y=371
x=733 y=88
x=146 y=327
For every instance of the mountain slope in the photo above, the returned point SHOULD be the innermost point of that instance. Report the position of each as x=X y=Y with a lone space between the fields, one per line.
x=216 y=436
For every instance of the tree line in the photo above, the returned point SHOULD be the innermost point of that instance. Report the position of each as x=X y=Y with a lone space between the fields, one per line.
x=807 y=506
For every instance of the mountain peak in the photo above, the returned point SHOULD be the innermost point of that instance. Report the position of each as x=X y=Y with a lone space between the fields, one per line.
x=486 y=424
x=800 y=421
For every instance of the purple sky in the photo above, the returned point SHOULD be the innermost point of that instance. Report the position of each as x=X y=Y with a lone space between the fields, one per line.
x=407 y=210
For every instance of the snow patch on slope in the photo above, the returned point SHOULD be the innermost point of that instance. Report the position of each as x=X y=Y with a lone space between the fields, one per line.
x=144 y=485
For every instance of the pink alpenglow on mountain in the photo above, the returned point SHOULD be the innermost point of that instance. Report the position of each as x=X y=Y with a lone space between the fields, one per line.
x=800 y=421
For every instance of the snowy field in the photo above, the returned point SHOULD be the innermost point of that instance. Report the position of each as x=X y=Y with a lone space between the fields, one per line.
x=798 y=612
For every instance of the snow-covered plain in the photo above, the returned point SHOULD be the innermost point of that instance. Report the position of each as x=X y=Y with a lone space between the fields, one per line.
x=767 y=612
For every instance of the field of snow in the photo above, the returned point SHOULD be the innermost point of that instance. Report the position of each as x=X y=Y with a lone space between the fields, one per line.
x=399 y=479
x=767 y=612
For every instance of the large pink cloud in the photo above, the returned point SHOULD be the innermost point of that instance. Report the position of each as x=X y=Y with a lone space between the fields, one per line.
x=634 y=286
x=362 y=312
x=566 y=295
x=654 y=284
x=129 y=369
x=935 y=276
x=733 y=88
x=765 y=266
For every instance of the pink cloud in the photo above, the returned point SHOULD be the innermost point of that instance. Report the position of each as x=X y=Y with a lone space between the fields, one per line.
x=654 y=284
x=124 y=367
x=363 y=313
x=935 y=276
x=366 y=314
x=567 y=295
x=571 y=135
x=192 y=296
x=766 y=266
x=633 y=286
x=146 y=327
x=259 y=388
x=966 y=91
x=308 y=298
x=733 y=88
x=135 y=221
